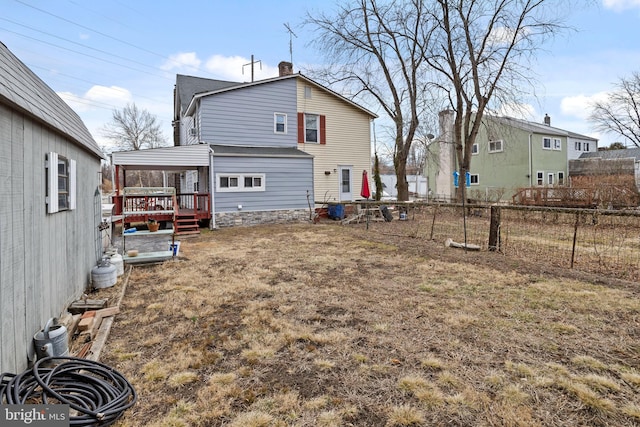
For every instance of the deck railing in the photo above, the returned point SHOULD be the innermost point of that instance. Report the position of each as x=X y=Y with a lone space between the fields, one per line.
x=195 y=203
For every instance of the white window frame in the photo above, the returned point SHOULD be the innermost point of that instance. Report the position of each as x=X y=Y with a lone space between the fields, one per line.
x=551 y=177
x=578 y=146
x=544 y=143
x=539 y=178
x=561 y=178
x=60 y=182
x=276 y=123
x=239 y=180
x=307 y=92
x=585 y=147
x=477 y=179
x=306 y=140
x=557 y=144
x=496 y=146
x=475 y=149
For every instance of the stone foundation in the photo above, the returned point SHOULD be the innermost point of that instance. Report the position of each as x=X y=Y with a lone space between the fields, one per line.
x=234 y=219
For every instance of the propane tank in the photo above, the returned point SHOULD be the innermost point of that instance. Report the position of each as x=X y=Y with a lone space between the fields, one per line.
x=104 y=275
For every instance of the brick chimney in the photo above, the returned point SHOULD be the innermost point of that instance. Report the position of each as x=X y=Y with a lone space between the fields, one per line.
x=285 y=68
x=547 y=120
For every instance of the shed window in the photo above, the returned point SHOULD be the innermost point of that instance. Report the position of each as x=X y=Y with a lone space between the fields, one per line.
x=61 y=183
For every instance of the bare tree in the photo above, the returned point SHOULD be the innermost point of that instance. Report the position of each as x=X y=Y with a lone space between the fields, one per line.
x=620 y=113
x=133 y=129
x=481 y=53
x=375 y=50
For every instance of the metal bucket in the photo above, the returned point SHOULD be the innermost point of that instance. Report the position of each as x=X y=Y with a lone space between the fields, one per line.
x=52 y=340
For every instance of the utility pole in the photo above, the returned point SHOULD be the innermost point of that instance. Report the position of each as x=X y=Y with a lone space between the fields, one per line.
x=252 y=63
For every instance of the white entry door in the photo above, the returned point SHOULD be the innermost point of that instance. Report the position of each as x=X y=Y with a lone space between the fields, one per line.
x=346 y=183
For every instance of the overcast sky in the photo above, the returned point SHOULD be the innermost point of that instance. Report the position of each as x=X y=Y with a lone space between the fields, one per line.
x=101 y=55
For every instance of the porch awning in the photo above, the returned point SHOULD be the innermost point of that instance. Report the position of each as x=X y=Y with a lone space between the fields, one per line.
x=178 y=158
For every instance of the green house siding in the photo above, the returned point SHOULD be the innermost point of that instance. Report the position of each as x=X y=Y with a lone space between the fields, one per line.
x=509 y=169
x=516 y=157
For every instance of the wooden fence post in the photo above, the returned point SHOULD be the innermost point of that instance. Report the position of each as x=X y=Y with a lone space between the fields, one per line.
x=575 y=235
x=494 y=229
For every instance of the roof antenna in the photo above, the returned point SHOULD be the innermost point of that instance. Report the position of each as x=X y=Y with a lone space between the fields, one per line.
x=252 y=63
x=291 y=33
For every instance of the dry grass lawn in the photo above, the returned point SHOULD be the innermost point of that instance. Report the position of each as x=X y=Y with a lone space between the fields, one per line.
x=328 y=325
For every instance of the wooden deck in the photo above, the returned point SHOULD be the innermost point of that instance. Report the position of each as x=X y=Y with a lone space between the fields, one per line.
x=143 y=208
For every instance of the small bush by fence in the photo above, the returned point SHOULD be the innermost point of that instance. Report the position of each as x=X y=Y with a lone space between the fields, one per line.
x=591 y=240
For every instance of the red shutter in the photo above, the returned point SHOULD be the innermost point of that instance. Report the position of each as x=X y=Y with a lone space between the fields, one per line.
x=300 y=128
x=323 y=126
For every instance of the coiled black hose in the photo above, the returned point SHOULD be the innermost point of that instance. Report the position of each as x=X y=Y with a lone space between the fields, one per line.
x=98 y=393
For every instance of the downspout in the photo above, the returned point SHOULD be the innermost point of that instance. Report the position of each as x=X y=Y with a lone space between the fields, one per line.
x=530 y=163
x=212 y=223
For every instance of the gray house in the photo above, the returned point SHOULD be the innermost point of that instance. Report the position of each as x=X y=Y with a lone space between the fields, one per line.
x=49 y=184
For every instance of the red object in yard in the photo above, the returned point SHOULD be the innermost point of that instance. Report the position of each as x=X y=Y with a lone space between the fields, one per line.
x=365 y=192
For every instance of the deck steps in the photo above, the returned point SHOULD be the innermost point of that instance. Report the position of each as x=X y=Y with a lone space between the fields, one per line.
x=186 y=224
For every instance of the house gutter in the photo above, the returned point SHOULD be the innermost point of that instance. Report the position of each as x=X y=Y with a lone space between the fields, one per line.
x=212 y=223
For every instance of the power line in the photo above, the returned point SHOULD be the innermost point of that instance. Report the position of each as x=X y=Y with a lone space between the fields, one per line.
x=73 y=42
x=91 y=29
x=82 y=53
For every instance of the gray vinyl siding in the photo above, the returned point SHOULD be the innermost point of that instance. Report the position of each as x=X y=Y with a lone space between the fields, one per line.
x=45 y=259
x=287 y=181
x=223 y=116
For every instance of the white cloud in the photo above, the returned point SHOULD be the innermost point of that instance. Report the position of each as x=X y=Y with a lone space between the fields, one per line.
x=620 y=5
x=580 y=106
x=111 y=94
x=98 y=97
x=182 y=60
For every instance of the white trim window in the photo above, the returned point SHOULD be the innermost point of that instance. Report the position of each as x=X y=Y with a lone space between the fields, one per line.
x=551 y=178
x=495 y=146
x=311 y=128
x=540 y=178
x=474 y=148
x=560 y=177
x=279 y=123
x=551 y=143
x=578 y=146
x=474 y=179
x=240 y=182
x=61 y=183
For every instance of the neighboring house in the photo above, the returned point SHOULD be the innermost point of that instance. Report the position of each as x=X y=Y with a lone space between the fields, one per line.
x=49 y=182
x=273 y=147
x=509 y=154
x=417 y=186
x=614 y=174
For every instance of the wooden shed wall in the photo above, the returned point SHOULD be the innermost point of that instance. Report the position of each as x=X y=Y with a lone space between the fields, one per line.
x=45 y=259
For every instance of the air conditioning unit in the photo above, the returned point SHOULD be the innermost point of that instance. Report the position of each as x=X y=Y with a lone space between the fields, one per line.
x=193 y=132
